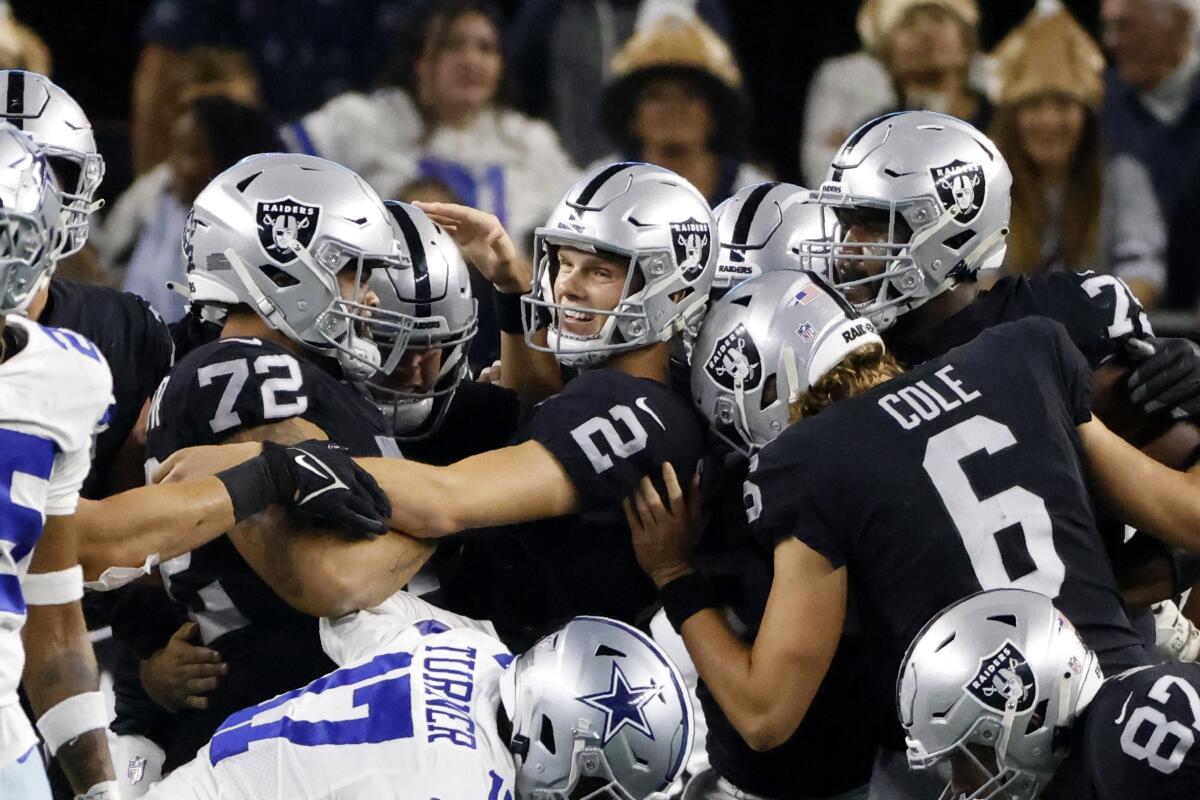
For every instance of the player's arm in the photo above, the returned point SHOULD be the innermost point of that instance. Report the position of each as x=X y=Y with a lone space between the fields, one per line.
x=486 y=245
x=60 y=676
x=1157 y=500
x=764 y=688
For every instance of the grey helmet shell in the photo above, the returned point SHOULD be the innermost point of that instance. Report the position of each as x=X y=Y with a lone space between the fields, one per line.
x=31 y=236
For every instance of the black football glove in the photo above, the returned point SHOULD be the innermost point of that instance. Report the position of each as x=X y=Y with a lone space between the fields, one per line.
x=1168 y=376
x=321 y=479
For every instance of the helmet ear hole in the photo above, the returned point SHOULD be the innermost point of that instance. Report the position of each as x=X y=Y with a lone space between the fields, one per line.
x=770 y=391
x=546 y=734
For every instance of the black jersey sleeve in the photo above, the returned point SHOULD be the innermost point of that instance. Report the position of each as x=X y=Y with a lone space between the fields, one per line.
x=1075 y=373
x=1099 y=311
x=224 y=387
x=609 y=430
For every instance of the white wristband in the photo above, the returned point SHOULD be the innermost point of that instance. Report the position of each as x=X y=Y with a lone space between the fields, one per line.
x=53 y=588
x=72 y=718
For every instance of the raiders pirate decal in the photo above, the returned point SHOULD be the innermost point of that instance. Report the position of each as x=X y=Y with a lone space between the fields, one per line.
x=961 y=188
x=691 y=243
x=735 y=360
x=1004 y=675
x=281 y=222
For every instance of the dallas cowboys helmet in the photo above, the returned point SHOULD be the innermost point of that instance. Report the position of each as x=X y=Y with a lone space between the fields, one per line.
x=30 y=232
x=274 y=231
x=657 y=220
x=57 y=124
x=598 y=711
x=1002 y=671
x=941 y=190
x=431 y=297
x=765 y=343
x=760 y=228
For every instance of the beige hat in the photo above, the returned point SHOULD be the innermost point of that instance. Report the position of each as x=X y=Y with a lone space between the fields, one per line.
x=678 y=45
x=1048 y=52
x=878 y=18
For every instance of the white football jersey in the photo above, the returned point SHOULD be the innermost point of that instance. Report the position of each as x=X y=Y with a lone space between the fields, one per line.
x=54 y=395
x=411 y=716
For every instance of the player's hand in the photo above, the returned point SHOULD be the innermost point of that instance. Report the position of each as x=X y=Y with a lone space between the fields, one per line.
x=664 y=534
x=181 y=675
x=321 y=479
x=483 y=242
x=203 y=460
x=1168 y=376
x=490 y=374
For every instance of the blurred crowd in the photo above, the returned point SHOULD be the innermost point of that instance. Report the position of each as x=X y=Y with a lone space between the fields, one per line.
x=501 y=107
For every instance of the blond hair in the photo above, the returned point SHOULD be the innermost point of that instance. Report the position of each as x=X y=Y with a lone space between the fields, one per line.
x=861 y=371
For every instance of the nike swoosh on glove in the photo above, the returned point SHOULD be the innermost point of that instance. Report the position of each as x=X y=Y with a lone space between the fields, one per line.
x=1168 y=376
x=321 y=479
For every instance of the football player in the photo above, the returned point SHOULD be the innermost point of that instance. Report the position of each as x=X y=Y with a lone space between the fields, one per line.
x=437 y=413
x=283 y=244
x=968 y=472
x=623 y=267
x=1000 y=688
x=428 y=704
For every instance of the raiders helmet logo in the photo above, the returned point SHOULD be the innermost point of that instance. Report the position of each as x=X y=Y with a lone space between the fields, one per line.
x=282 y=222
x=691 y=242
x=1002 y=676
x=961 y=188
x=735 y=360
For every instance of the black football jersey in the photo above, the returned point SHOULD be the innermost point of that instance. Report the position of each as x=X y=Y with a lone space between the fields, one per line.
x=1098 y=311
x=215 y=391
x=481 y=417
x=963 y=474
x=137 y=346
x=1137 y=739
x=608 y=430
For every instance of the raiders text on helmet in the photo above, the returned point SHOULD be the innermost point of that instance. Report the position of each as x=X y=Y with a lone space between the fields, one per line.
x=657 y=220
x=49 y=116
x=765 y=343
x=274 y=231
x=943 y=189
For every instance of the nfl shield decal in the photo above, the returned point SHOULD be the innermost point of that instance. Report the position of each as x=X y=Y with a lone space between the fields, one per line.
x=735 y=360
x=691 y=243
x=961 y=188
x=282 y=222
x=1002 y=676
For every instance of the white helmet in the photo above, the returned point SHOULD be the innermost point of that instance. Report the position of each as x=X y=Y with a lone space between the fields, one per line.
x=274 y=231
x=942 y=190
x=30 y=234
x=761 y=227
x=56 y=123
x=599 y=712
x=1003 y=671
x=657 y=220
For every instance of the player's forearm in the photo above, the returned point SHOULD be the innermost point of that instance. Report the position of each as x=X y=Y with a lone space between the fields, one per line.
x=534 y=376
x=59 y=664
x=422 y=496
x=167 y=520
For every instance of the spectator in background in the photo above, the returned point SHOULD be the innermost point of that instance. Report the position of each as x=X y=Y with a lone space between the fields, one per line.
x=676 y=101
x=560 y=52
x=304 y=52
x=20 y=47
x=212 y=134
x=1152 y=112
x=438 y=113
x=1072 y=208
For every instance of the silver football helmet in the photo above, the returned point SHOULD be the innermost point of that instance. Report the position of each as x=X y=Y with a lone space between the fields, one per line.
x=1002 y=673
x=598 y=710
x=760 y=228
x=274 y=231
x=940 y=190
x=57 y=124
x=431 y=297
x=657 y=220
x=764 y=344
x=30 y=232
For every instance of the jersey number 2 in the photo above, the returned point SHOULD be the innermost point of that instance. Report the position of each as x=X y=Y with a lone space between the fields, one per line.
x=980 y=520
x=237 y=370
x=622 y=448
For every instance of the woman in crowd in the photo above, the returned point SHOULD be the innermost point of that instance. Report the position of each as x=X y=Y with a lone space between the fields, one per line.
x=1072 y=209
x=676 y=101
x=438 y=113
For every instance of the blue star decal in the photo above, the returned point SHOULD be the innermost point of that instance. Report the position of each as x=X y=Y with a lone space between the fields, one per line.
x=622 y=704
